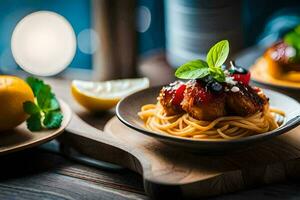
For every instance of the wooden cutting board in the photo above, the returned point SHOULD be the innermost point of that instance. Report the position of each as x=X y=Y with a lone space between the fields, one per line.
x=169 y=172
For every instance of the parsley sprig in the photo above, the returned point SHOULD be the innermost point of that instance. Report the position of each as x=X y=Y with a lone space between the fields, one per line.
x=197 y=69
x=44 y=112
x=292 y=38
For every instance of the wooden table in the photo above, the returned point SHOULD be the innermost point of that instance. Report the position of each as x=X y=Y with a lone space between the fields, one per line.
x=39 y=174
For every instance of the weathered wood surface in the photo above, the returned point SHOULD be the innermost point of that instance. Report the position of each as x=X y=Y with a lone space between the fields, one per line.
x=36 y=174
x=266 y=155
x=44 y=175
x=170 y=172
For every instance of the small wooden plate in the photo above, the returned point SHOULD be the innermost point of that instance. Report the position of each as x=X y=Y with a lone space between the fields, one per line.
x=128 y=108
x=21 y=138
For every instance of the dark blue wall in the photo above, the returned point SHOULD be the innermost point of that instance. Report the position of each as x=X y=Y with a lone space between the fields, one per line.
x=77 y=12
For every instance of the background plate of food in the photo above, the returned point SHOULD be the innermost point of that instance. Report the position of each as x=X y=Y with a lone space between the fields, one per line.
x=278 y=65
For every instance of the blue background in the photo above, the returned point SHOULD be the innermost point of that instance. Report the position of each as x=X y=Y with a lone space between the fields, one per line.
x=77 y=12
x=257 y=15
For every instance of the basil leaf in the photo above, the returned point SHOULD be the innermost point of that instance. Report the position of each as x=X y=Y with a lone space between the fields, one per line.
x=217 y=73
x=192 y=70
x=218 y=54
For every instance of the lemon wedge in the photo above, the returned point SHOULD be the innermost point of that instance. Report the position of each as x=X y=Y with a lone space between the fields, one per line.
x=99 y=96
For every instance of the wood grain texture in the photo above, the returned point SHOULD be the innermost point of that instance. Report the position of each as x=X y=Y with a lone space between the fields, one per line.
x=36 y=174
x=167 y=171
x=89 y=147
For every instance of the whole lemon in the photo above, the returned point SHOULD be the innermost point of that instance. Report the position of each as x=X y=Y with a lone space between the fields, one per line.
x=13 y=93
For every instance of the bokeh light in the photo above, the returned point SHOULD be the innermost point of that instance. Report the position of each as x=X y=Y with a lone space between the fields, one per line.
x=143 y=19
x=43 y=43
x=88 y=41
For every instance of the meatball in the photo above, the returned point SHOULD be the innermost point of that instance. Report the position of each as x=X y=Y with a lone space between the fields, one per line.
x=171 y=96
x=283 y=54
x=202 y=104
x=243 y=100
x=281 y=59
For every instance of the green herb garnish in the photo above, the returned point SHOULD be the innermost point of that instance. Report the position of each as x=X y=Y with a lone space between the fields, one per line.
x=45 y=110
x=215 y=58
x=292 y=38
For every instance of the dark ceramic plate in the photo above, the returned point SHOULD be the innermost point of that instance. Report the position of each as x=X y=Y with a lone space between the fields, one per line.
x=128 y=108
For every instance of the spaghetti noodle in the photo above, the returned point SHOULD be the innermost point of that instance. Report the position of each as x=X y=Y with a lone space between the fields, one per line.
x=227 y=127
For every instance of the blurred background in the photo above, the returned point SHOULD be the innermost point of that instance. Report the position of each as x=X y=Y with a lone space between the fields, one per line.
x=169 y=32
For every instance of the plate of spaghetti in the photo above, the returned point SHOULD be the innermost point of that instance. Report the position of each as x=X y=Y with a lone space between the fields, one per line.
x=211 y=108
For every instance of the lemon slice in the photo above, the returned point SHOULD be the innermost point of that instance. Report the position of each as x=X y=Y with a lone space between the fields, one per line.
x=99 y=96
